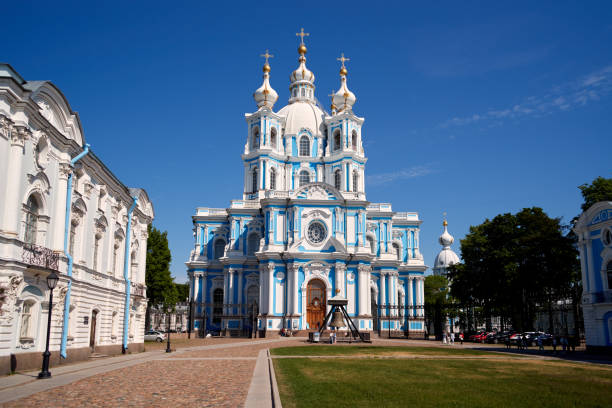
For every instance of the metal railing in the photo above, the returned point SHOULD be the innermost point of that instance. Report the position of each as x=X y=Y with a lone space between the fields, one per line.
x=35 y=255
x=399 y=316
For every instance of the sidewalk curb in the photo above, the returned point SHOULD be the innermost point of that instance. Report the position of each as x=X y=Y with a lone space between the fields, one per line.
x=275 y=395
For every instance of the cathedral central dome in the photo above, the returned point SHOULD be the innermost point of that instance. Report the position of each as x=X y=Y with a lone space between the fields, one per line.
x=302 y=115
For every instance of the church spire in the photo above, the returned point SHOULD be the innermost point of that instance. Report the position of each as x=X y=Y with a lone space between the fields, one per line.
x=344 y=99
x=265 y=95
x=302 y=79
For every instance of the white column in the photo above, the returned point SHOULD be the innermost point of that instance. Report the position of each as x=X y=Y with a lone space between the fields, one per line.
x=59 y=216
x=271 y=288
x=420 y=296
x=410 y=301
x=295 y=291
x=12 y=215
x=383 y=293
x=194 y=285
x=363 y=287
x=239 y=294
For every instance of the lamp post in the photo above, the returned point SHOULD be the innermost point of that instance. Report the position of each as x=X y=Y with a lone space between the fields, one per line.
x=168 y=350
x=51 y=283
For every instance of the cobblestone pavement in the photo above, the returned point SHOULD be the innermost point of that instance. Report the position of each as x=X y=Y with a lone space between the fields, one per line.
x=218 y=377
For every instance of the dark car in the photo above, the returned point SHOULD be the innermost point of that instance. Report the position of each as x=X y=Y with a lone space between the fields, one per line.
x=545 y=338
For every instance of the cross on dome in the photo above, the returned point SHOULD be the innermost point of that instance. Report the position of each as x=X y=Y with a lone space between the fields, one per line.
x=342 y=58
x=344 y=99
x=302 y=34
x=266 y=56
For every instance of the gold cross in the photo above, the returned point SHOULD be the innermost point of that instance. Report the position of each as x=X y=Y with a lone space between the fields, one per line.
x=267 y=55
x=342 y=58
x=302 y=34
x=332 y=94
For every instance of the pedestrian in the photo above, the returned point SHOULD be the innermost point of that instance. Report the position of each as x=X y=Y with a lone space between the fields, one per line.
x=554 y=344
x=452 y=338
x=574 y=343
x=525 y=342
x=540 y=344
x=444 y=338
x=461 y=338
x=507 y=341
x=564 y=344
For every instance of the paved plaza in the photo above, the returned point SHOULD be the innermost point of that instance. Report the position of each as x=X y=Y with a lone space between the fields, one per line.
x=215 y=372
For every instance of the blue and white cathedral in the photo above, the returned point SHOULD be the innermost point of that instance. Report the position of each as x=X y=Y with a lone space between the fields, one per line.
x=304 y=231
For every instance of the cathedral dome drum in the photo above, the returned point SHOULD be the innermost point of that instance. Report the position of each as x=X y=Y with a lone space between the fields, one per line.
x=302 y=115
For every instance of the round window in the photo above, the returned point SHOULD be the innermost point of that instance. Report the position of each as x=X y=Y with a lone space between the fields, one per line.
x=316 y=232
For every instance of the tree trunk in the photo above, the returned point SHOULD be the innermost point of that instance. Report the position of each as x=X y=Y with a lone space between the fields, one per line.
x=148 y=317
x=550 y=317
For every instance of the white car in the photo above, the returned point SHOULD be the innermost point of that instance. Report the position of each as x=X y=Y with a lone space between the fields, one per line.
x=153 y=335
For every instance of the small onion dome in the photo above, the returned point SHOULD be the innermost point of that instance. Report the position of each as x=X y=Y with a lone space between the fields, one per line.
x=344 y=99
x=446 y=239
x=302 y=73
x=265 y=95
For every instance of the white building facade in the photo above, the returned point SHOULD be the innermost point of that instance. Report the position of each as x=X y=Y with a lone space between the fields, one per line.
x=594 y=231
x=101 y=232
x=304 y=230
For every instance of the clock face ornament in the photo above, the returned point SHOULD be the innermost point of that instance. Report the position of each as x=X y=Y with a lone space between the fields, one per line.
x=316 y=232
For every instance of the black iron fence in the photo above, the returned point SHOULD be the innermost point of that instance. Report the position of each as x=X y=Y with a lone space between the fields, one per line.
x=399 y=321
x=223 y=319
x=42 y=257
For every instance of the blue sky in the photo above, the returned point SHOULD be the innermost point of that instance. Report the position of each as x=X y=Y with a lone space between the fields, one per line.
x=469 y=108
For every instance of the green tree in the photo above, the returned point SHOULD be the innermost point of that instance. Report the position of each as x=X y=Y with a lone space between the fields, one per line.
x=513 y=264
x=436 y=293
x=183 y=291
x=599 y=190
x=161 y=289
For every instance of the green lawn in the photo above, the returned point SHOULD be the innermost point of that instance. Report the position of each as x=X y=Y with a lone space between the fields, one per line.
x=343 y=350
x=306 y=382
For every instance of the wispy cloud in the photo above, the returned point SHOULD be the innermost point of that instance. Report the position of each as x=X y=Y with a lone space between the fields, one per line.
x=570 y=95
x=402 y=174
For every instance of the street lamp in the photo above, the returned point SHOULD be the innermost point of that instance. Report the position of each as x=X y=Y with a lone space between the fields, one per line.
x=168 y=350
x=51 y=283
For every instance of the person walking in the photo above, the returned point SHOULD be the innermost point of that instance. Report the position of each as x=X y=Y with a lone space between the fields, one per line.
x=444 y=338
x=452 y=338
x=461 y=338
x=554 y=344
x=540 y=344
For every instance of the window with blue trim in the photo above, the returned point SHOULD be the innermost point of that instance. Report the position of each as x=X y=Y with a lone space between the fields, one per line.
x=304 y=146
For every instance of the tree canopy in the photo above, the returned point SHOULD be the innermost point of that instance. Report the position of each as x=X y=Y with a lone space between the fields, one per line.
x=513 y=263
x=161 y=289
x=599 y=190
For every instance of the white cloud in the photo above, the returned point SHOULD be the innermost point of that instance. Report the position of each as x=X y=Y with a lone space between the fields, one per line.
x=590 y=88
x=402 y=174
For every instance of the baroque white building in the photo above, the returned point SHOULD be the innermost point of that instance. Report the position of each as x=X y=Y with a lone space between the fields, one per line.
x=96 y=241
x=594 y=231
x=304 y=230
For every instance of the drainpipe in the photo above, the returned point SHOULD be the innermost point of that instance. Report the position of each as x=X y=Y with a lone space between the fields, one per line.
x=126 y=277
x=68 y=256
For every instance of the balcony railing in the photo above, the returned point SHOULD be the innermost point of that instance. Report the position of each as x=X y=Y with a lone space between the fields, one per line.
x=42 y=257
x=138 y=289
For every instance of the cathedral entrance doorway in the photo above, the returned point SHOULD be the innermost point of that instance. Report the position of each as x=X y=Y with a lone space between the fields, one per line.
x=374 y=307
x=315 y=308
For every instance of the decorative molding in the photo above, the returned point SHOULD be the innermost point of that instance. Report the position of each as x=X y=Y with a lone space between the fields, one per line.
x=316 y=214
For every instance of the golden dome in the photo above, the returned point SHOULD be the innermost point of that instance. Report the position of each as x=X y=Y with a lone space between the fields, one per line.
x=445 y=223
x=302 y=49
x=343 y=71
x=266 y=67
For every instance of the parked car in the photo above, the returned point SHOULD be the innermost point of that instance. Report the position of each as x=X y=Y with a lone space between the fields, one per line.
x=546 y=339
x=473 y=336
x=153 y=335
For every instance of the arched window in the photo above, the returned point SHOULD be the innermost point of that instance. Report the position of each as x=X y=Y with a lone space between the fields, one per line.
x=294 y=92
x=26 y=319
x=255 y=141
x=273 y=138
x=219 y=248
x=32 y=210
x=396 y=251
x=255 y=181
x=304 y=178
x=355 y=181
x=371 y=244
x=114 y=325
x=217 y=305
x=272 y=179
x=73 y=227
x=304 y=146
x=133 y=264
x=354 y=141
x=609 y=273
x=252 y=244
x=337 y=140
x=302 y=92
x=338 y=179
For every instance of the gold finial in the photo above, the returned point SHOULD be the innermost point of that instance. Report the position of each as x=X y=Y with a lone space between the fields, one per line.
x=343 y=70
x=444 y=223
x=302 y=48
x=331 y=95
x=266 y=67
